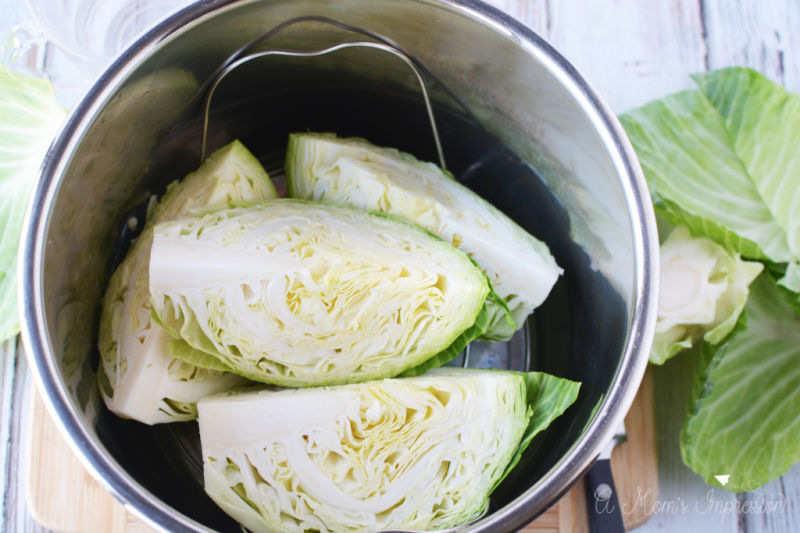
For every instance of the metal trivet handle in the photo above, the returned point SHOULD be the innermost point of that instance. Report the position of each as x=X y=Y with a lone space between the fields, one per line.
x=242 y=56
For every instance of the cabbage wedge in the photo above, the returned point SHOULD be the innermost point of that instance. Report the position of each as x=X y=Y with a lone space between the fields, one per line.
x=356 y=173
x=406 y=453
x=138 y=376
x=297 y=293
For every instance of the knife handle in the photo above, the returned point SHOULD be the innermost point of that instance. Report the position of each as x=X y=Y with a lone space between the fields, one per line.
x=605 y=515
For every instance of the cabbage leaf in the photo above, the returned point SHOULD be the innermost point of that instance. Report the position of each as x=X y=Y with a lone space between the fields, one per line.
x=356 y=173
x=743 y=419
x=139 y=377
x=722 y=160
x=29 y=119
x=703 y=291
x=298 y=293
x=406 y=453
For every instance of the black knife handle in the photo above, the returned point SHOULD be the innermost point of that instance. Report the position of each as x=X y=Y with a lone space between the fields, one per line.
x=605 y=515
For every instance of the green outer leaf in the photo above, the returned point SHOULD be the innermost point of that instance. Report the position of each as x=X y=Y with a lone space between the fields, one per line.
x=451 y=352
x=665 y=349
x=548 y=398
x=703 y=227
x=791 y=278
x=782 y=277
x=762 y=121
x=29 y=118
x=743 y=419
x=688 y=157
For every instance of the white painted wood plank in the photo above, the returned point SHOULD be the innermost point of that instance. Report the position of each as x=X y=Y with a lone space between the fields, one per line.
x=630 y=51
x=15 y=510
x=762 y=35
x=775 y=507
x=7 y=366
x=685 y=502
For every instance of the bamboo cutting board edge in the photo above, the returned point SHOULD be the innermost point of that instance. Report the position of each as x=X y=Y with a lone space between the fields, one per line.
x=58 y=488
x=64 y=497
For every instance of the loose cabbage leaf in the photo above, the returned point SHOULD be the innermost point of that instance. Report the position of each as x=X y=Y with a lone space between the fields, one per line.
x=298 y=293
x=356 y=173
x=410 y=453
x=703 y=291
x=743 y=419
x=139 y=377
x=29 y=118
x=722 y=159
x=703 y=227
x=763 y=129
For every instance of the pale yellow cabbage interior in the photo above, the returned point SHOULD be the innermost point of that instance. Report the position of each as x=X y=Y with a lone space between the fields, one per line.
x=413 y=453
x=300 y=292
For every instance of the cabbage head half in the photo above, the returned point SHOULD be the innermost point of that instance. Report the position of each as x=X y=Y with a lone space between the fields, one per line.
x=297 y=293
x=356 y=173
x=406 y=453
x=138 y=376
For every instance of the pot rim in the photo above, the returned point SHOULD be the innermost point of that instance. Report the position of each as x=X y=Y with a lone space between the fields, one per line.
x=539 y=496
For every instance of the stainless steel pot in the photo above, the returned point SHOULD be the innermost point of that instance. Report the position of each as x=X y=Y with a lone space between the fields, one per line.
x=540 y=144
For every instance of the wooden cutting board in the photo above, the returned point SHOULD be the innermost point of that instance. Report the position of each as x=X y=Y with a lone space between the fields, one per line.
x=62 y=496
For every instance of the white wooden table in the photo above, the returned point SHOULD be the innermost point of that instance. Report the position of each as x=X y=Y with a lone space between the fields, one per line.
x=631 y=51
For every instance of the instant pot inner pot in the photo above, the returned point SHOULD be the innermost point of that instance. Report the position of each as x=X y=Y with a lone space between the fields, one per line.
x=530 y=152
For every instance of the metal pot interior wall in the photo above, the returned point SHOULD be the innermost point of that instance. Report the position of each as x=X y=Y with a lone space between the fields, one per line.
x=532 y=151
